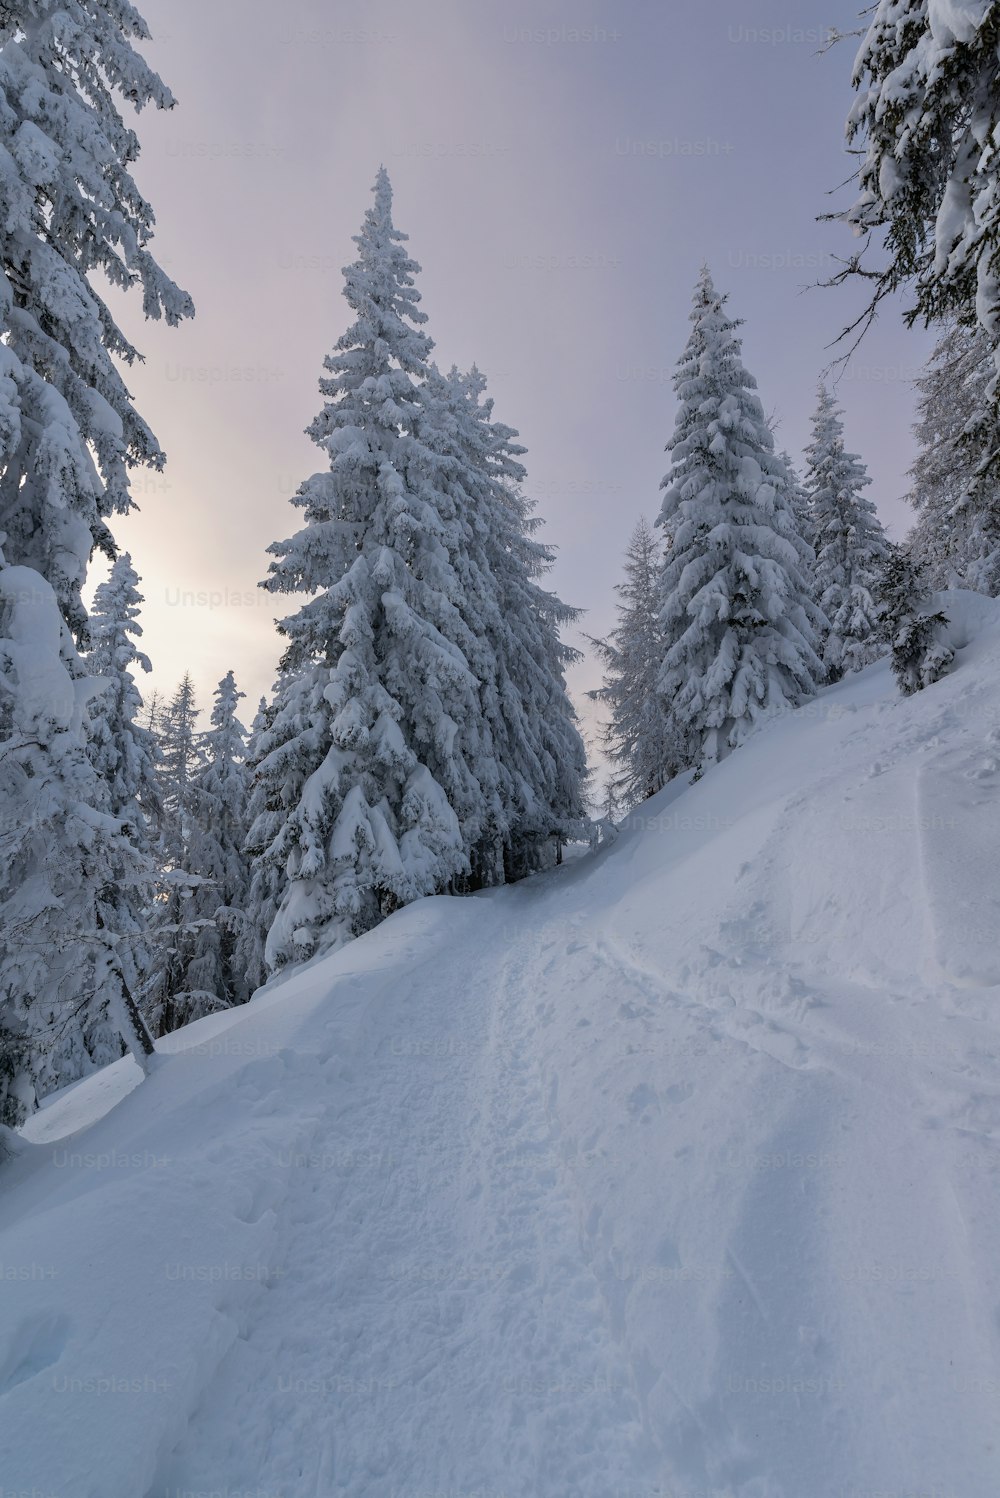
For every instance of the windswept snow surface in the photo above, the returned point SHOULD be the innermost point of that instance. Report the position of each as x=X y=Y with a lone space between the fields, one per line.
x=671 y=1174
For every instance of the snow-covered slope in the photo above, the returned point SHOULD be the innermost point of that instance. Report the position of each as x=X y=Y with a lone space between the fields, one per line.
x=672 y=1173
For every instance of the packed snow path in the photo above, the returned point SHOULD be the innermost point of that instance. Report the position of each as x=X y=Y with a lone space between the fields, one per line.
x=675 y=1173
x=433 y=1323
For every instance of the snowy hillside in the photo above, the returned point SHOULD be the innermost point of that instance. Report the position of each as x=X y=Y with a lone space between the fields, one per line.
x=674 y=1172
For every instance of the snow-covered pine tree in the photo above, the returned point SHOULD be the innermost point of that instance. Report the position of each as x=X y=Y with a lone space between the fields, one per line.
x=956 y=538
x=739 y=623
x=849 y=542
x=929 y=175
x=519 y=657
x=638 y=738
x=166 y=1001
x=70 y=875
x=152 y=713
x=69 y=432
x=266 y=872
x=375 y=684
x=428 y=642
x=920 y=653
x=125 y=753
x=799 y=504
x=181 y=759
x=924 y=124
x=216 y=853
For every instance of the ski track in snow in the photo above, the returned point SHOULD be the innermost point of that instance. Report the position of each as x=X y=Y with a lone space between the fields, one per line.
x=674 y=1174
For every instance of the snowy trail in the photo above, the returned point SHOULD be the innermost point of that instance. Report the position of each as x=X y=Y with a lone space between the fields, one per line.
x=433 y=1324
x=675 y=1173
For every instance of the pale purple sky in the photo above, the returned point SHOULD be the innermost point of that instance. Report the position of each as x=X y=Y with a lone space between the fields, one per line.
x=562 y=171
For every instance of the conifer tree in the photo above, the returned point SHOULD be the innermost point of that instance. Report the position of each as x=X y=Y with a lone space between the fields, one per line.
x=956 y=538
x=849 y=543
x=380 y=758
x=739 y=623
x=124 y=753
x=216 y=853
x=70 y=874
x=374 y=683
x=152 y=713
x=167 y=1000
x=69 y=434
x=920 y=652
x=519 y=657
x=929 y=175
x=924 y=125
x=638 y=738
x=182 y=760
x=266 y=872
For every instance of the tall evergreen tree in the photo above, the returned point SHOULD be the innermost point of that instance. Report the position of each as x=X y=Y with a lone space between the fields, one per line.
x=956 y=538
x=69 y=434
x=925 y=125
x=182 y=760
x=639 y=738
x=739 y=623
x=217 y=853
x=124 y=752
x=539 y=761
x=914 y=630
x=168 y=1001
x=152 y=714
x=849 y=543
x=70 y=874
x=929 y=176
x=380 y=755
x=373 y=683
x=266 y=871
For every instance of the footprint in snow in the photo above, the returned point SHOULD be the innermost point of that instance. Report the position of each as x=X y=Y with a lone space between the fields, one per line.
x=642 y=1101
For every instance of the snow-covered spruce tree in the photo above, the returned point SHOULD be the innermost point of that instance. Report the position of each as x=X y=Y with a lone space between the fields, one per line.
x=125 y=753
x=216 y=854
x=68 y=429
x=849 y=542
x=929 y=174
x=956 y=538
x=638 y=738
x=920 y=653
x=539 y=761
x=266 y=871
x=925 y=126
x=739 y=623
x=374 y=684
x=383 y=758
x=181 y=759
x=69 y=434
x=70 y=875
x=166 y=1000
x=153 y=710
